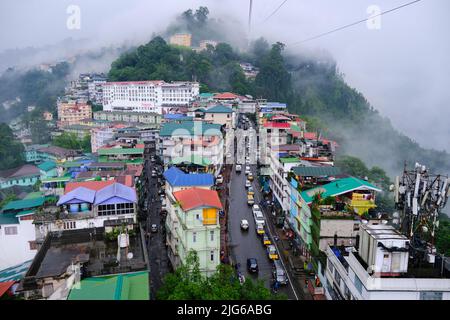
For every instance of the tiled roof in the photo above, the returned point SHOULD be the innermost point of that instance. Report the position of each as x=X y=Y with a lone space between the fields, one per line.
x=178 y=178
x=226 y=96
x=190 y=128
x=338 y=187
x=22 y=171
x=193 y=198
x=92 y=185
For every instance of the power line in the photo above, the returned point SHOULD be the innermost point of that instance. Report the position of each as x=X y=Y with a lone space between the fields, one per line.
x=355 y=23
x=275 y=11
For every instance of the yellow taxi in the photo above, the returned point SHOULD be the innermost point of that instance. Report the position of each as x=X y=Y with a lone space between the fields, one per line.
x=250 y=200
x=272 y=252
x=266 y=240
x=260 y=229
x=250 y=177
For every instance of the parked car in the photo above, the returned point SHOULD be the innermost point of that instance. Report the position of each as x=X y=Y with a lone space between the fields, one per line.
x=244 y=224
x=259 y=217
x=219 y=179
x=250 y=191
x=154 y=173
x=260 y=229
x=278 y=272
x=238 y=168
x=266 y=240
x=154 y=228
x=252 y=265
x=250 y=200
x=248 y=184
x=247 y=170
x=272 y=252
x=250 y=177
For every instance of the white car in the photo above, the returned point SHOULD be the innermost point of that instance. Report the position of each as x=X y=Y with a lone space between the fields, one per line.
x=244 y=224
x=219 y=179
x=259 y=218
x=248 y=184
x=256 y=207
x=238 y=168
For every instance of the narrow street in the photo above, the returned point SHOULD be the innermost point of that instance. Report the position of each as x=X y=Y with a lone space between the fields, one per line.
x=247 y=244
x=157 y=251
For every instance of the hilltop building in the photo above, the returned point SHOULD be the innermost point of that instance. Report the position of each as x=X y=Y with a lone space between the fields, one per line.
x=181 y=39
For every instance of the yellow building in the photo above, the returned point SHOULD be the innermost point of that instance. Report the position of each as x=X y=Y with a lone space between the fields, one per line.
x=181 y=39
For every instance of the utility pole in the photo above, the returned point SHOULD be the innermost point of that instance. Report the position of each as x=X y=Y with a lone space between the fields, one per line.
x=250 y=20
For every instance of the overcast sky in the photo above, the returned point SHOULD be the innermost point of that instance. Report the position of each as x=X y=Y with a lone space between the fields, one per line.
x=403 y=68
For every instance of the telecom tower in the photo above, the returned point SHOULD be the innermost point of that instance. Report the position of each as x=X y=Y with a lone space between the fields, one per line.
x=419 y=197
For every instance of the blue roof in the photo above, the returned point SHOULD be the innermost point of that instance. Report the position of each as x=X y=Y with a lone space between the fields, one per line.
x=174 y=116
x=178 y=178
x=276 y=105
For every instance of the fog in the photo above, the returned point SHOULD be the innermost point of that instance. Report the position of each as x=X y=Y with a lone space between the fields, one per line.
x=403 y=68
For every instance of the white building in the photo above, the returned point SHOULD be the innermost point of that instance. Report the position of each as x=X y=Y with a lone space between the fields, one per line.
x=379 y=270
x=148 y=96
x=17 y=239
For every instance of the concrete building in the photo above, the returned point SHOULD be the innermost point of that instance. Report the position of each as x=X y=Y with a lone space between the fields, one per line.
x=181 y=39
x=205 y=43
x=73 y=112
x=218 y=114
x=134 y=117
x=148 y=96
x=192 y=141
x=26 y=175
x=193 y=224
x=101 y=137
x=378 y=269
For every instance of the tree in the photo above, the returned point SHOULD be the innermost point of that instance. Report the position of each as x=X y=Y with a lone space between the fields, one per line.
x=443 y=236
x=188 y=283
x=11 y=150
x=71 y=141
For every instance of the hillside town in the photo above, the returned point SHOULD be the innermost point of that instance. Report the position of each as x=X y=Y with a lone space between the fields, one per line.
x=171 y=170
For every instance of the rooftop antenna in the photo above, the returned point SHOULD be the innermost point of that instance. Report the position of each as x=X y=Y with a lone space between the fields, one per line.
x=250 y=20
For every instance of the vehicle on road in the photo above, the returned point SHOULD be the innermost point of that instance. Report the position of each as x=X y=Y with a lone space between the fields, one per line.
x=266 y=240
x=250 y=191
x=154 y=173
x=219 y=179
x=154 y=228
x=259 y=217
x=278 y=272
x=244 y=224
x=238 y=168
x=250 y=177
x=252 y=265
x=247 y=170
x=250 y=200
x=260 y=229
x=248 y=184
x=272 y=252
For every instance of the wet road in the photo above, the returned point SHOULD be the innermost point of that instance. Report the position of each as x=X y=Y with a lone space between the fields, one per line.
x=247 y=244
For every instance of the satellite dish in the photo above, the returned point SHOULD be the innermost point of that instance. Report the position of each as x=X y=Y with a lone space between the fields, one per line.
x=130 y=255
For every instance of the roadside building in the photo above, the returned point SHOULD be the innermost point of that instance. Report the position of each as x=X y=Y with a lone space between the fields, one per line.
x=193 y=224
x=177 y=180
x=133 y=117
x=218 y=114
x=26 y=175
x=133 y=153
x=73 y=112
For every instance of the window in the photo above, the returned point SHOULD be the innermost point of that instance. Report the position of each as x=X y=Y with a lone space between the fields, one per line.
x=211 y=235
x=431 y=295
x=212 y=256
x=194 y=237
x=9 y=231
x=70 y=225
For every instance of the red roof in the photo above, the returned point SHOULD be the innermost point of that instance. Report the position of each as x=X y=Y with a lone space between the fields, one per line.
x=278 y=125
x=92 y=185
x=4 y=286
x=310 y=135
x=226 y=96
x=195 y=197
x=127 y=180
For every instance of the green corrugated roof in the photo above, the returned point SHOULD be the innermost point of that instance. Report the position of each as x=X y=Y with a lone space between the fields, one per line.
x=198 y=160
x=219 y=109
x=338 y=187
x=316 y=171
x=190 y=128
x=295 y=128
x=206 y=95
x=132 y=286
x=289 y=160
x=34 y=195
x=8 y=218
x=47 y=165
x=24 y=213
x=110 y=151
x=24 y=204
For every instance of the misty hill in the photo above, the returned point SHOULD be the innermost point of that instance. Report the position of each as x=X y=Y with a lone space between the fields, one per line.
x=313 y=88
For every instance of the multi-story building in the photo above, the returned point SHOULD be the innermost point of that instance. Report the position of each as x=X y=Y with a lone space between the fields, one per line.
x=133 y=117
x=181 y=39
x=148 y=96
x=379 y=268
x=204 y=44
x=101 y=137
x=26 y=175
x=73 y=112
x=193 y=224
x=218 y=114
x=192 y=141
x=127 y=153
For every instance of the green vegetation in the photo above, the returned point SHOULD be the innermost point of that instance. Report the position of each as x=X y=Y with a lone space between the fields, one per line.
x=187 y=283
x=11 y=150
x=71 y=141
x=442 y=239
